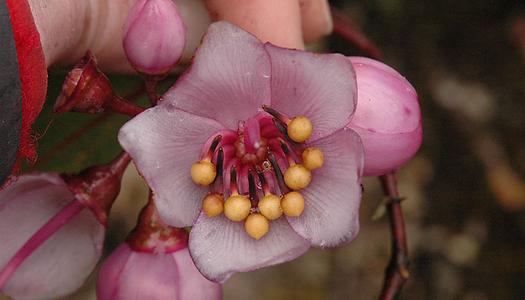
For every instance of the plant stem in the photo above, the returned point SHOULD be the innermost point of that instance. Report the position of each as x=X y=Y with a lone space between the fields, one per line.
x=151 y=83
x=396 y=273
x=120 y=105
x=349 y=31
x=37 y=239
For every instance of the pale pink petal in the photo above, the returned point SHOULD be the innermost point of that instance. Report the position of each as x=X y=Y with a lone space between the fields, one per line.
x=60 y=265
x=110 y=272
x=144 y=276
x=331 y=214
x=229 y=79
x=220 y=247
x=164 y=142
x=387 y=118
x=321 y=87
x=192 y=284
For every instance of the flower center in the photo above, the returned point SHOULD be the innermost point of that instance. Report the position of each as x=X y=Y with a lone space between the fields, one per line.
x=259 y=170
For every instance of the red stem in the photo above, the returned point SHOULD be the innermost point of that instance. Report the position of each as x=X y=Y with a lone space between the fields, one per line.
x=37 y=239
x=120 y=105
x=120 y=163
x=151 y=83
x=350 y=32
x=396 y=273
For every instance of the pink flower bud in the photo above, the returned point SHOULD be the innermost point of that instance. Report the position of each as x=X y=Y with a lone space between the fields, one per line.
x=70 y=245
x=154 y=264
x=387 y=117
x=154 y=36
x=52 y=229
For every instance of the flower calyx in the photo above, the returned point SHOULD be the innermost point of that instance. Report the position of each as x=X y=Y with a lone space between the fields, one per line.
x=153 y=235
x=97 y=187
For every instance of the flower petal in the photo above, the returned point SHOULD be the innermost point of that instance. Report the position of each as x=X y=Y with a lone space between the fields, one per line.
x=220 y=247
x=331 y=214
x=163 y=142
x=321 y=87
x=63 y=262
x=111 y=270
x=147 y=276
x=193 y=285
x=229 y=79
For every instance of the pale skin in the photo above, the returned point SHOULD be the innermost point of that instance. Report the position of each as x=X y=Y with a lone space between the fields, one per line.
x=68 y=28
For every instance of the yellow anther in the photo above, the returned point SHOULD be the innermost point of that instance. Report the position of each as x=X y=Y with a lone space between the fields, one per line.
x=237 y=207
x=299 y=129
x=293 y=204
x=203 y=172
x=213 y=205
x=270 y=206
x=297 y=177
x=256 y=226
x=313 y=158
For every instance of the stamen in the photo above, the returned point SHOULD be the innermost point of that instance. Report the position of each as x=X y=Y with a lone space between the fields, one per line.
x=293 y=204
x=237 y=207
x=300 y=129
x=264 y=184
x=278 y=173
x=213 y=205
x=212 y=148
x=277 y=115
x=282 y=129
x=256 y=226
x=252 y=188
x=220 y=162
x=313 y=158
x=270 y=204
x=233 y=181
x=287 y=153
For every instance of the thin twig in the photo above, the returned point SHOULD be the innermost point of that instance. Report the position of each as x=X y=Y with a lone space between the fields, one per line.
x=351 y=33
x=396 y=273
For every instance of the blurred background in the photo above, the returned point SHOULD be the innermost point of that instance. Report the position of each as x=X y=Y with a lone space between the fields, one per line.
x=465 y=190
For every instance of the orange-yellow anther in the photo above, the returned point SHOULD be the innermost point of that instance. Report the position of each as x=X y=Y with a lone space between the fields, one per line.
x=213 y=205
x=237 y=207
x=293 y=204
x=270 y=206
x=256 y=226
x=203 y=172
x=313 y=158
x=297 y=177
x=299 y=129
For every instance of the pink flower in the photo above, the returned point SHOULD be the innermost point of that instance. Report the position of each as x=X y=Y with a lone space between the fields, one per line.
x=212 y=123
x=154 y=264
x=387 y=117
x=62 y=263
x=50 y=241
x=154 y=36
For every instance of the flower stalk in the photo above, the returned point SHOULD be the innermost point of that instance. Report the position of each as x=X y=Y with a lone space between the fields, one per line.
x=349 y=31
x=397 y=272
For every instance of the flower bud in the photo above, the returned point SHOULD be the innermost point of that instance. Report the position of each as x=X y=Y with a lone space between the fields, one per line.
x=155 y=264
x=50 y=241
x=387 y=117
x=154 y=36
x=61 y=264
x=85 y=89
